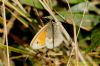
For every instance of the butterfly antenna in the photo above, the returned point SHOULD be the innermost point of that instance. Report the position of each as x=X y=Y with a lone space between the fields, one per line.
x=52 y=25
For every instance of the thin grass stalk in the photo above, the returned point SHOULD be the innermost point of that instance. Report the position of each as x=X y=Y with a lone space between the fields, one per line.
x=5 y=31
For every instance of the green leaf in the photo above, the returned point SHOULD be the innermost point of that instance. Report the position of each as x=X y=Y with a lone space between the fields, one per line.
x=34 y=3
x=74 y=1
x=80 y=7
x=88 y=6
x=95 y=39
x=88 y=23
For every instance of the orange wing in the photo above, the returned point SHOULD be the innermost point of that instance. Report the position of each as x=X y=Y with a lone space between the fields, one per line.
x=39 y=39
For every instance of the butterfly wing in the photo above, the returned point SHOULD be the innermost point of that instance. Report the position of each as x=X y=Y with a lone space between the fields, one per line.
x=45 y=37
x=58 y=37
x=39 y=39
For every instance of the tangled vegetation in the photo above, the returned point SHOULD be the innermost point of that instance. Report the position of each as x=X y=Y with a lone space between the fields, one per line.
x=72 y=27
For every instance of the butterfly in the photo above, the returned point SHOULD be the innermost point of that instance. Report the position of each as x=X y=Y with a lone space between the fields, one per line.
x=49 y=36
